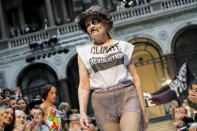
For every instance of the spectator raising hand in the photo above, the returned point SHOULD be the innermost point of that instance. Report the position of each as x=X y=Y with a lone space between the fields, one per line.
x=193 y=92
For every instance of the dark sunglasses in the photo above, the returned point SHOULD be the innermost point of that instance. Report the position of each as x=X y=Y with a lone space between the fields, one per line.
x=95 y=21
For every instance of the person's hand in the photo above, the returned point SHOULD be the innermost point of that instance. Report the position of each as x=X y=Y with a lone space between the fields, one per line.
x=145 y=121
x=193 y=96
x=19 y=128
x=84 y=120
x=35 y=125
x=180 y=116
x=91 y=128
x=28 y=125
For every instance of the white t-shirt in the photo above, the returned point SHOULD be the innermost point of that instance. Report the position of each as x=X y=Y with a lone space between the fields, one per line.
x=107 y=65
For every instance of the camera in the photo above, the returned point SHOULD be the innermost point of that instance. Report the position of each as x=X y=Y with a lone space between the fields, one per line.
x=3 y=95
x=29 y=117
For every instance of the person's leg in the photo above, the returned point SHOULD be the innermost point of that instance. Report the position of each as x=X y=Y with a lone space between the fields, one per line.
x=110 y=126
x=130 y=121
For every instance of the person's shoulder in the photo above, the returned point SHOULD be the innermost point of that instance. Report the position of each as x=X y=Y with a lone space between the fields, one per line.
x=125 y=43
x=43 y=106
x=84 y=46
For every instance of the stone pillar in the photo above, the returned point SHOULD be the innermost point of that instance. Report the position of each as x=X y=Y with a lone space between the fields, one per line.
x=50 y=13
x=64 y=10
x=171 y=66
x=71 y=12
x=64 y=91
x=155 y=4
x=101 y=3
x=55 y=9
x=2 y=22
x=21 y=16
x=109 y=5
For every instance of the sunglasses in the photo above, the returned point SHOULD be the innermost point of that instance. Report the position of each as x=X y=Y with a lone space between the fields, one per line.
x=94 y=21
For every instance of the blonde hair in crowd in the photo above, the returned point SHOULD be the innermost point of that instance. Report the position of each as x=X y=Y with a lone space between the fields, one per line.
x=2 y=111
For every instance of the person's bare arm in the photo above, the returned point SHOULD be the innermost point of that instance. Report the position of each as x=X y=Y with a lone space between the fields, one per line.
x=137 y=85
x=83 y=92
x=192 y=95
x=45 y=109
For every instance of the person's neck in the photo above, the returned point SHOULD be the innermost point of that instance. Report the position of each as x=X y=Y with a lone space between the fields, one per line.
x=49 y=103
x=104 y=41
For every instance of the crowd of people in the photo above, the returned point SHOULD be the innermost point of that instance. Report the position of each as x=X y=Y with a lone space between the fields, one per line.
x=18 y=113
x=185 y=114
x=130 y=3
x=16 y=31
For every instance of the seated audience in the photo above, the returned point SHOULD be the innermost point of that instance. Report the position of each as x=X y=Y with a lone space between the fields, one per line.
x=5 y=97
x=22 y=105
x=20 y=124
x=75 y=123
x=7 y=115
x=64 y=107
x=13 y=103
x=172 y=110
x=27 y=29
x=192 y=95
x=38 y=115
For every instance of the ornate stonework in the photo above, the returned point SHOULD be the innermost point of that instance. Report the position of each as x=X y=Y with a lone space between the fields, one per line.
x=58 y=60
x=119 y=31
x=2 y=80
x=163 y=35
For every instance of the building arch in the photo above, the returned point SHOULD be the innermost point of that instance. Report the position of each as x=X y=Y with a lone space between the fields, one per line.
x=180 y=29
x=153 y=40
x=33 y=77
x=72 y=73
x=72 y=54
x=73 y=80
x=184 y=47
x=152 y=69
x=18 y=71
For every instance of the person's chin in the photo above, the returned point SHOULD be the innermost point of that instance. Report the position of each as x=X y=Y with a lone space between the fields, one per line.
x=95 y=34
x=8 y=122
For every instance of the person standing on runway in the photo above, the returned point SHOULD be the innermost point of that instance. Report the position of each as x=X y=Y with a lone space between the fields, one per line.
x=106 y=66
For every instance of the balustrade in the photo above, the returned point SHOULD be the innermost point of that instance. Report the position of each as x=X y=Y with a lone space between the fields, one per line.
x=68 y=28
x=117 y=17
x=130 y=13
x=176 y=3
x=26 y=39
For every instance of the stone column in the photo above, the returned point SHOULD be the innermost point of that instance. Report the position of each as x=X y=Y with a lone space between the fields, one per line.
x=64 y=92
x=2 y=22
x=101 y=3
x=55 y=8
x=64 y=10
x=50 y=13
x=21 y=16
x=171 y=66
x=109 y=5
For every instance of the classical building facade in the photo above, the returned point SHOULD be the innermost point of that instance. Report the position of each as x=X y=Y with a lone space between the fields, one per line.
x=164 y=33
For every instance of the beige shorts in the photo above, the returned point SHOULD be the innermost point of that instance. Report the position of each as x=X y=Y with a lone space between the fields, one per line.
x=108 y=106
